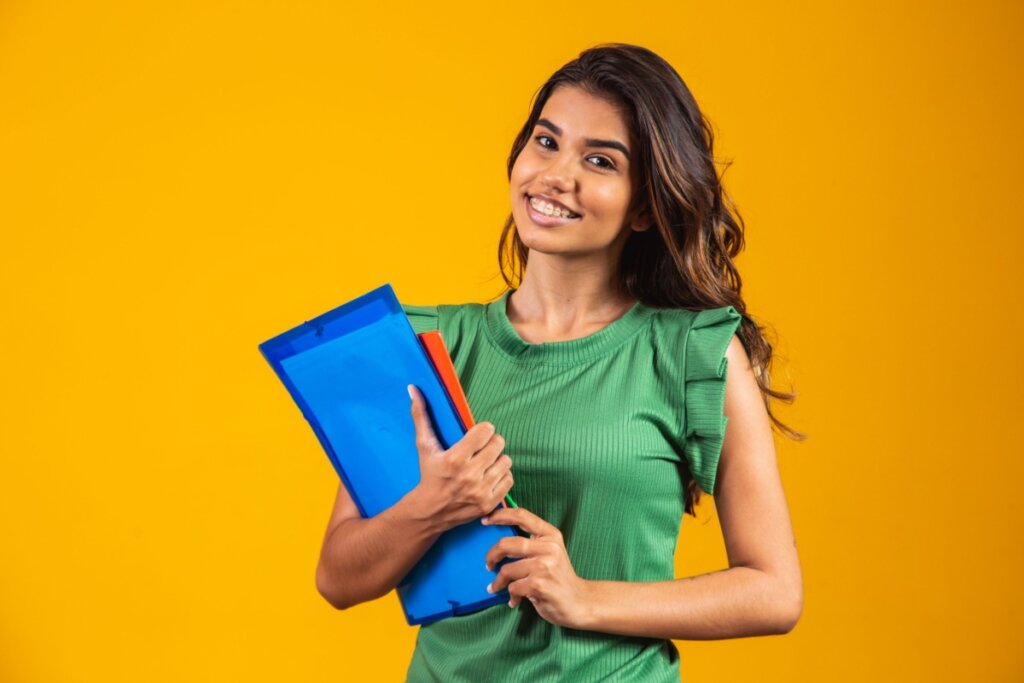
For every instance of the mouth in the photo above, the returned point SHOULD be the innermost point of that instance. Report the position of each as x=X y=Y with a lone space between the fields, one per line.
x=546 y=213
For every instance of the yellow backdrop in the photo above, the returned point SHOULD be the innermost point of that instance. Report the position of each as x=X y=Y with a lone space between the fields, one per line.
x=181 y=181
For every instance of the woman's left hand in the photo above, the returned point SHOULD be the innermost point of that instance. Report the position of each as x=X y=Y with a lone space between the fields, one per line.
x=544 y=575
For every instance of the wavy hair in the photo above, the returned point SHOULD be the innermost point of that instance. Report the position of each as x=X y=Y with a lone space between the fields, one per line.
x=686 y=261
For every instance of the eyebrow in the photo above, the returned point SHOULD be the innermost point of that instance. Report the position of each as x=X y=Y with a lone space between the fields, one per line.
x=590 y=142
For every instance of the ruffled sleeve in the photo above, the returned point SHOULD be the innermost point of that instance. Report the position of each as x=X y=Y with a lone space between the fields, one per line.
x=706 y=343
x=423 y=318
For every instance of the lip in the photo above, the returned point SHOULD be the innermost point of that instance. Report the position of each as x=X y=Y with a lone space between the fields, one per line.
x=547 y=221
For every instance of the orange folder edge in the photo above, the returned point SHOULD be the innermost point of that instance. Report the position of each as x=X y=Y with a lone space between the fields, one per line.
x=433 y=343
x=438 y=353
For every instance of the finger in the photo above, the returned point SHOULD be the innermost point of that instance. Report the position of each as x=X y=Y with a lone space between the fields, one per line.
x=421 y=421
x=520 y=590
x=501 y=465
x=525 y=520
x=509 y=573
x=474 y=439
x=502 y=486
x=513 y=546
x=486 y=455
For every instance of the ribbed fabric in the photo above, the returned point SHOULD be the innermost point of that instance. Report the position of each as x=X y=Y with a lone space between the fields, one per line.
x=600 y=431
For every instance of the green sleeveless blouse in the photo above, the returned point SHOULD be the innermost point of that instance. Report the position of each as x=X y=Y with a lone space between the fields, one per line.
x=600 y=431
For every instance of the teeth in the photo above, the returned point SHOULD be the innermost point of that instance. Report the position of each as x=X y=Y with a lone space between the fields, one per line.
x=549 y=209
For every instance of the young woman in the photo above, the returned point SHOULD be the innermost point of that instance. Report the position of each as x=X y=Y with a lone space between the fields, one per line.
x=601 y=383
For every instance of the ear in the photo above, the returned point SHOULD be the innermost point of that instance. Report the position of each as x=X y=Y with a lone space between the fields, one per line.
x=642 y=221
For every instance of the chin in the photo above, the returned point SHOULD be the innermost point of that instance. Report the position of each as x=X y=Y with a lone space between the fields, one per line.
x=542 y=244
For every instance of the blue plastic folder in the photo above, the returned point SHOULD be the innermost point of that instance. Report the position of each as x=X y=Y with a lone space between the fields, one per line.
x=348 y=370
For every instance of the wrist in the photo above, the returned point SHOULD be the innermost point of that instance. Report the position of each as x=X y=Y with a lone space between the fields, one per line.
x=587 y=606
x=416 y=508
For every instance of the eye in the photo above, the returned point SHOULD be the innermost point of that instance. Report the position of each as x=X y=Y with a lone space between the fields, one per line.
x=607 y=164
x=607 y=161
x=541 y=138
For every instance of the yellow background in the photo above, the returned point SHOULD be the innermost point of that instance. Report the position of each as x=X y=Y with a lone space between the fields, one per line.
x=181 y=181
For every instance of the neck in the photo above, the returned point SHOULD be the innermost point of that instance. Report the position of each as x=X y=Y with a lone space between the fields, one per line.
x=560 y=298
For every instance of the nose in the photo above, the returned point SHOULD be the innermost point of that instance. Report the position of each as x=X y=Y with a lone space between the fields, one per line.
x=558 y=174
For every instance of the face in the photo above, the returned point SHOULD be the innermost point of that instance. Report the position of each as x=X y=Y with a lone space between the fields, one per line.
x=577 y=161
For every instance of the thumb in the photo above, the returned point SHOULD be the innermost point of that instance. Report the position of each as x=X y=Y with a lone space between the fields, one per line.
x=425 y=437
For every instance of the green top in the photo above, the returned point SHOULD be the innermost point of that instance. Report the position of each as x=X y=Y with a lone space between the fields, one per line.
x=599 y=430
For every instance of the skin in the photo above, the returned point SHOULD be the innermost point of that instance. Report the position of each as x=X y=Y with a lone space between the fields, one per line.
x=568 y=291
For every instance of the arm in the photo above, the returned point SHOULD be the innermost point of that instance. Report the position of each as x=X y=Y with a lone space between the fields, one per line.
x=761 y=592
x=363 y=559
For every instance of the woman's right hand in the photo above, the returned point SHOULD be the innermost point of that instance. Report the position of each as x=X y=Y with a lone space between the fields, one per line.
x=465 y=482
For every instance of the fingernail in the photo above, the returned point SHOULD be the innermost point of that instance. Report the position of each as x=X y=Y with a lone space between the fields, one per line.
x=408 y=388
x=490 y=588
x=510 y=604
x=484 y=520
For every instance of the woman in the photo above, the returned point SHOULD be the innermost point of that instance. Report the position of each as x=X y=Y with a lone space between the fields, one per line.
x=604 y=371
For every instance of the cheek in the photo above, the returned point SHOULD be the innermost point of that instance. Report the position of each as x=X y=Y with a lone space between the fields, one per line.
x=610 y=198
x=522 y=171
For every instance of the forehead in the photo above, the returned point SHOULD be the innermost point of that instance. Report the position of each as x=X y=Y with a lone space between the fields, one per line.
x=578 y=112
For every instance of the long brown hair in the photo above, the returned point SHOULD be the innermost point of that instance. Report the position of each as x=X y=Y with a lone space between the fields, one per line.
x=687 y=260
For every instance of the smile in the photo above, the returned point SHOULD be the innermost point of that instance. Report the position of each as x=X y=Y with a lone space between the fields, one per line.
x=543 y=213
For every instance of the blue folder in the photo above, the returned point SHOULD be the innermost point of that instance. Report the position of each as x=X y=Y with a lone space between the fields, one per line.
x=347 y=370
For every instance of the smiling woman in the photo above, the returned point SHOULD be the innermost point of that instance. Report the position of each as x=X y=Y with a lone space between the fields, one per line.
x=616 y=378
x=583 y=159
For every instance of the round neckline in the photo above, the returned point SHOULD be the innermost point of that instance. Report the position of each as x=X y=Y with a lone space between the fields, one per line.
x=567 y=352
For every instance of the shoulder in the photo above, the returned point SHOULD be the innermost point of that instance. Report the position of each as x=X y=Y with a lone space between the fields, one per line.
x=425 y=318
x=713 y=334
x=422 y=317
x=711 y=344
x=688 y=328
